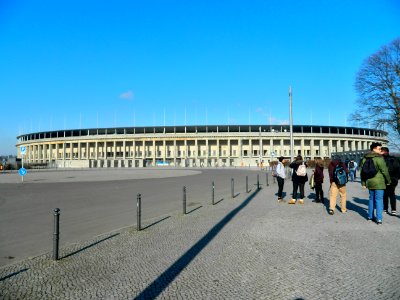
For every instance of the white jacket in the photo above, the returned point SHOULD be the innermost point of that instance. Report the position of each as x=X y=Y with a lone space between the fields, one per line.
x=280 y=170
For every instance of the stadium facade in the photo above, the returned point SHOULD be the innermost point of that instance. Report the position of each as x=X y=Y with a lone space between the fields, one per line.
x=191 y=146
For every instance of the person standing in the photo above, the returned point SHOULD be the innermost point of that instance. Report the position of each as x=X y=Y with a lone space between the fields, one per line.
x=352 y=168
x=299 y=178
x=393 y=166
x=375 y=176
x=280 y=177
x=319 y=180
x=337 y=177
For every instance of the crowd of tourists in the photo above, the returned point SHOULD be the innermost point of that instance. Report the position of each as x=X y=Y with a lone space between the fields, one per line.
x=378 y=170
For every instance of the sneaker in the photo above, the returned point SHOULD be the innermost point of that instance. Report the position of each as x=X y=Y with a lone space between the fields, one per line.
x=301 y=201
x=331 y=211
x=393 y=213
x=379 y=222
x=344 y=211
x=292 y=201
x=279 y=199
x=386 y=211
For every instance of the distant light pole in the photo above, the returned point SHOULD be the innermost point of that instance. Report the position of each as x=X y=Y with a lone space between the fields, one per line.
x=291 y=125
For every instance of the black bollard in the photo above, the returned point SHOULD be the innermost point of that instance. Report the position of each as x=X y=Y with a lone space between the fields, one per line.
x=266 y=176
x=232 y=188
x=139 y=211
x=212 y=193
x=184 y=200
x=247 y=184
x=258 y=181
x=56 y=234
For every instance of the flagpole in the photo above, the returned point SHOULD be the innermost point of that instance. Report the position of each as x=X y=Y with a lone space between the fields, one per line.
x=291 y=125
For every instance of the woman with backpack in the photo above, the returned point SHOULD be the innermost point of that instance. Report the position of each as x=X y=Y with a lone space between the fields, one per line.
x=299 y=178
x=319 y=180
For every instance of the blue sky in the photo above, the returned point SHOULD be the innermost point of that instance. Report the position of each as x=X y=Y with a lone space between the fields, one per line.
x=84 y=64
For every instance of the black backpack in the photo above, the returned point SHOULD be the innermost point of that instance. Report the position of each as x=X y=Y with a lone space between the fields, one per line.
x=351 y=164
x=368 y=170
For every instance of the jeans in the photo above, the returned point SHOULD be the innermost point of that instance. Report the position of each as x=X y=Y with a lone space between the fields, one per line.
x=375 y=202
x=352 y=175
x=281 y=182
x=297 y=185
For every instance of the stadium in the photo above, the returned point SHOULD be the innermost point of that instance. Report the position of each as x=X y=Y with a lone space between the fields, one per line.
x=190 y=146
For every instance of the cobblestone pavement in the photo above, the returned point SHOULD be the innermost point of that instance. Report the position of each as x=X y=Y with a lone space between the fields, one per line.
x=249 y=247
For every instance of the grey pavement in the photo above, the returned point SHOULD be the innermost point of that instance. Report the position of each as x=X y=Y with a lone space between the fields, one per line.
x=248 y=247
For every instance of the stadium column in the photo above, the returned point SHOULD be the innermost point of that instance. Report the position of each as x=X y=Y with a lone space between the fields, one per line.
x=229 y=152
x=134 y=153
x=302 y=147
x=79 y=150
x=154 y=152
x=114 y=150
x=57 y=150
x=164 y=153
x=208 y=152
x=330 y=147
x=218 y=152
x=96 y=149
x=312 y=150
x=63 y=157
x=346 y=145
x=175 y=152
x=321 y=148
x=123 y=149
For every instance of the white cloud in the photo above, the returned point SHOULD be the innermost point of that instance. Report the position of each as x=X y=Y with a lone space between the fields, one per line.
x=127 y=95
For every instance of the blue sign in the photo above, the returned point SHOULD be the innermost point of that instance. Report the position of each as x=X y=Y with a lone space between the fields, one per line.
x=22 y=149
x=22 y=171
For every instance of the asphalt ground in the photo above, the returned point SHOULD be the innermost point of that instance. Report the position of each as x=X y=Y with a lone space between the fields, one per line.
x=246 y=247
x=94 y=202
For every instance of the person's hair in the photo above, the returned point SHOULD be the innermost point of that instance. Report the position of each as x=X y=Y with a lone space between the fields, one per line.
x=374 y=145
x=319 y=162
x=299 y=157
x=281 y=158
x=386 y=149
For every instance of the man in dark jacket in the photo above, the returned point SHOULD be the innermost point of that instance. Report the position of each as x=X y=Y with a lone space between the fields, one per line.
x=393 y=166
x=336 y=187
x=376 y=184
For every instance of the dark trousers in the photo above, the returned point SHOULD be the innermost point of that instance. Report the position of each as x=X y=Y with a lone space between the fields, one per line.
x=389 y=194
x=297 y=185
x=281 y=182
x=319 y=193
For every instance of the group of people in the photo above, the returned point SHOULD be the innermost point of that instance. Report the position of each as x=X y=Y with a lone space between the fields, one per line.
x=379 y=173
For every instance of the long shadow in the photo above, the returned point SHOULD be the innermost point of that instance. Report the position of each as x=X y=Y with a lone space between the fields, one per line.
x=89 y=246
x=362 y=211
x=215 y=203
x=13 y=274
x=154 y=289
x=156 y=222
x=194 y=209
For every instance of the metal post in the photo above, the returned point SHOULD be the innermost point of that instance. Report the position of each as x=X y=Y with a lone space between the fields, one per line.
x=258 y=181
x=247 y=184
x=232 y=188
x=266 y=176
x=56 y=234
x=184 y=200
x=212 y=193
x=291 y=125
x=139 y=211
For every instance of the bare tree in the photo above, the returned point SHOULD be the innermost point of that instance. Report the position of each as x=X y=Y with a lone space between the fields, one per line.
x=378 y=87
